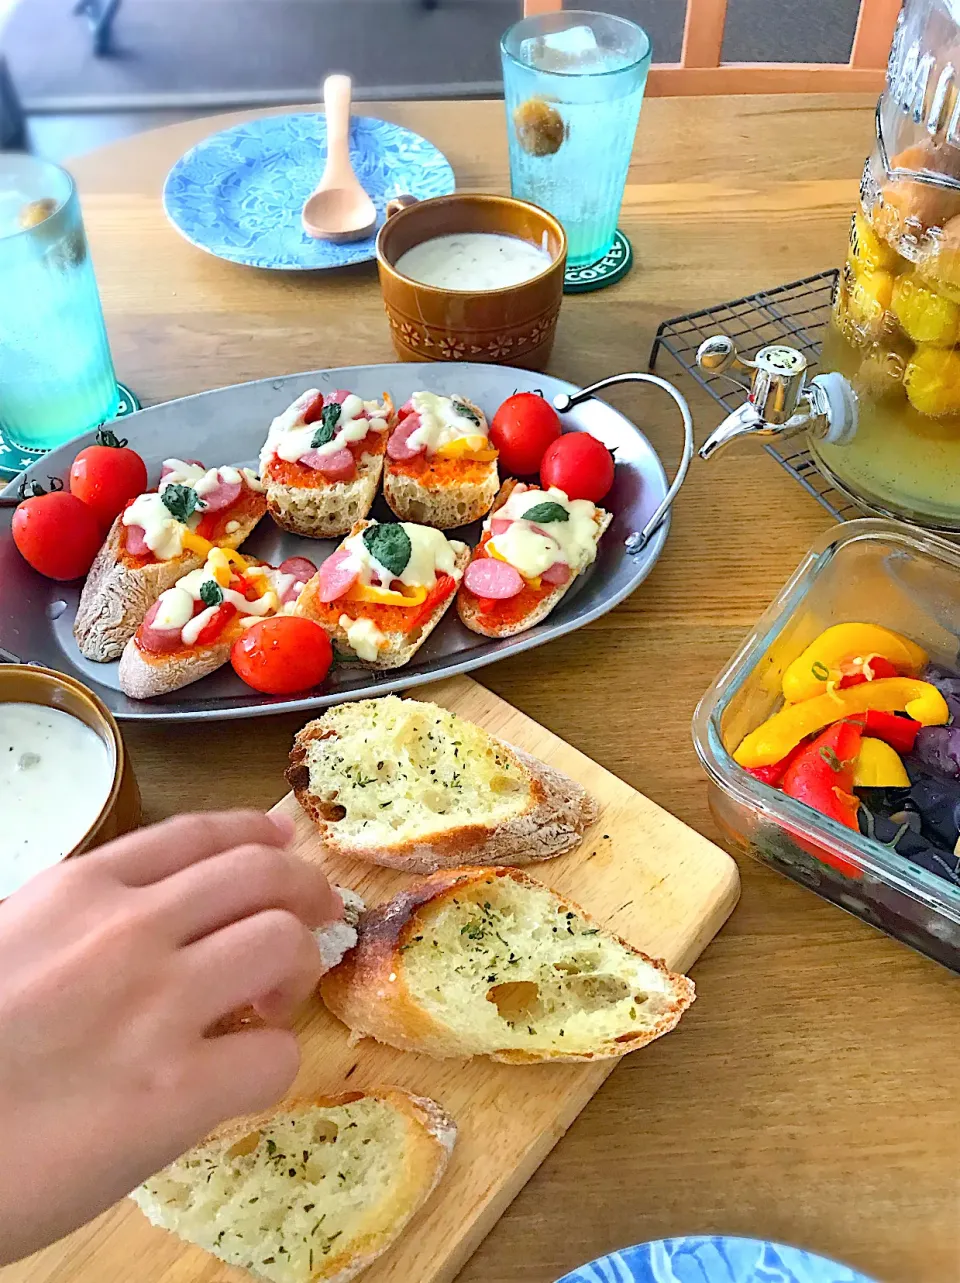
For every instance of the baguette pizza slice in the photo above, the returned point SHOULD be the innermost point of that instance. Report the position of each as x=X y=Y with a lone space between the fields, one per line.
x=322 y=460
x=159 y=537
x=533 y=546
x=384 y=590
x=441 y=467
x=190 y=630
x=489 y=962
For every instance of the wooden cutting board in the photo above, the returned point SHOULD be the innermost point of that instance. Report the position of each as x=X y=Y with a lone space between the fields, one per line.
x=641 y=872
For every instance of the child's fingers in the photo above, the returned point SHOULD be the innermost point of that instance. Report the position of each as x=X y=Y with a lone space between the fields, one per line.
x=237 y=884
x=155 y=853
x=234 y=967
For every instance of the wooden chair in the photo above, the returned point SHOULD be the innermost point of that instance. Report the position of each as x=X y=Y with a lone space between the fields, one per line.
x=700 y=70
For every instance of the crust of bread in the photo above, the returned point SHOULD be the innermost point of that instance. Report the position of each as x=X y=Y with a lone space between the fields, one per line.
x=330 y=510
x=444 y=507
x=426 y=1164
x=469 y=610
x=116 y=597
x=559 y=813
x=400 y=647
x=145 y=676
x=369 y=993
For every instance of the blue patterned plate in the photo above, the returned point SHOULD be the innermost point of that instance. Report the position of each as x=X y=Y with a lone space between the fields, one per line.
x=238 y=194
x=713 y=1259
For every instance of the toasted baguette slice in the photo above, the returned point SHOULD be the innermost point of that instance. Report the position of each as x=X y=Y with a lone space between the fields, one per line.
x=398 y=648
x=468 y=606
x=488 y=962
x=412 y=786
x=316 y=1190
x=328 y=511
x=444 y=506
x=117 y=596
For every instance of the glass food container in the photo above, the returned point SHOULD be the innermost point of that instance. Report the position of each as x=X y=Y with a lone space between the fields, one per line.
x=894 y=338
x=871 y=571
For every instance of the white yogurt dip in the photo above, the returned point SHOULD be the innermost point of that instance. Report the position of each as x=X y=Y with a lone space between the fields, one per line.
x=473 y=261
x=55 y=775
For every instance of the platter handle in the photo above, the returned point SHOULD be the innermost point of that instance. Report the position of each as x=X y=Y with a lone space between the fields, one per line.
x=563 y=402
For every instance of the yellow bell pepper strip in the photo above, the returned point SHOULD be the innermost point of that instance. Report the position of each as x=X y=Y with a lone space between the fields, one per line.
x=879 y=767
x=842 y=645
x=477 y=449
x=775 y=737
x=386 y=596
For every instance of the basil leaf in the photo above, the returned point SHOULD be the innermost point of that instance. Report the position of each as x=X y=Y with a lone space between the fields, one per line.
x=389 y=544
x=542 y=513
x=211 y=594
x=465 y=412
x=181 y=501
x=329 y=418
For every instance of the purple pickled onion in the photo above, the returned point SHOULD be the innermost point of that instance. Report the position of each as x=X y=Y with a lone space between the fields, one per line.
x=939 y=748
x=946 y=680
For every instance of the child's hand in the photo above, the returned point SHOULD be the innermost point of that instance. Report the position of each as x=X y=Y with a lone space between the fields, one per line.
x=112 y=968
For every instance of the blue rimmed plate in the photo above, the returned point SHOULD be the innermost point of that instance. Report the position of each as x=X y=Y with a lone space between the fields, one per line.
x=238 y=194
x=713 y=1259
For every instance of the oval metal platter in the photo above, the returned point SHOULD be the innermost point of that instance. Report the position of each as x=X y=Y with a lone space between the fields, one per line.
x=228 y=426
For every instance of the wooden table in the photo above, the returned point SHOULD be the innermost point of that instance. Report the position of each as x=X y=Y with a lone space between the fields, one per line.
x=811 y=1095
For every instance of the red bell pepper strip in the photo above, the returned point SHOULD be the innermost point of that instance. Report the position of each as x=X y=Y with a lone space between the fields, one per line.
x=774 y=774
x=441 y=590
x=216 y=624
x=821 y=776
x=879 y=667
x=899 y=732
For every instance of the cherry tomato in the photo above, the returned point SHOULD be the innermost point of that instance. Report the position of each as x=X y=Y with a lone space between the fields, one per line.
x=521 y=430
x=579 y=465
x=106 y=476
x=56 y=533
x=283 y=655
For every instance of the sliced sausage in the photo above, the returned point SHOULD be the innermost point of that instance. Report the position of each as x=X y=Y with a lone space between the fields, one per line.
x=337 y=576
x=338 y=466
x=158 y=641
x=499 y=524
x=301 y=568
x=223 y=495
x=557 y=574
x=488 y=577
x=136 y=542
x=315 y=408
x=398 y=447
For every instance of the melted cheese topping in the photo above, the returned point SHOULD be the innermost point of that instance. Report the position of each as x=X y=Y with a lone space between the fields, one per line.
x=177 y=604
x=533 y=550
x=441 y=423
x=162 y=532
x=290 y=438
x=431 y=552
x=363 y=637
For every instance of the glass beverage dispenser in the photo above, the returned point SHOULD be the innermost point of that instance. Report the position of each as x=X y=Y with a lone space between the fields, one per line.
x=883 y=422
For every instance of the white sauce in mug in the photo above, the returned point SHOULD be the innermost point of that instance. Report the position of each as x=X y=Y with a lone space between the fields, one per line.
x=55 y=775
x=474 y=261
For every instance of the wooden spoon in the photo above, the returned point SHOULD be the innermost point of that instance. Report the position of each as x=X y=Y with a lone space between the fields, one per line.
x=339 y=209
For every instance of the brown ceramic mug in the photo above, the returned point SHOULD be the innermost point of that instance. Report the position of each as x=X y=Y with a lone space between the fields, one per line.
x=511 y=326
x=30 y=684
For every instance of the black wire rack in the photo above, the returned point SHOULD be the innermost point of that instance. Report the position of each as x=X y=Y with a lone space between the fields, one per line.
x=796 y=314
